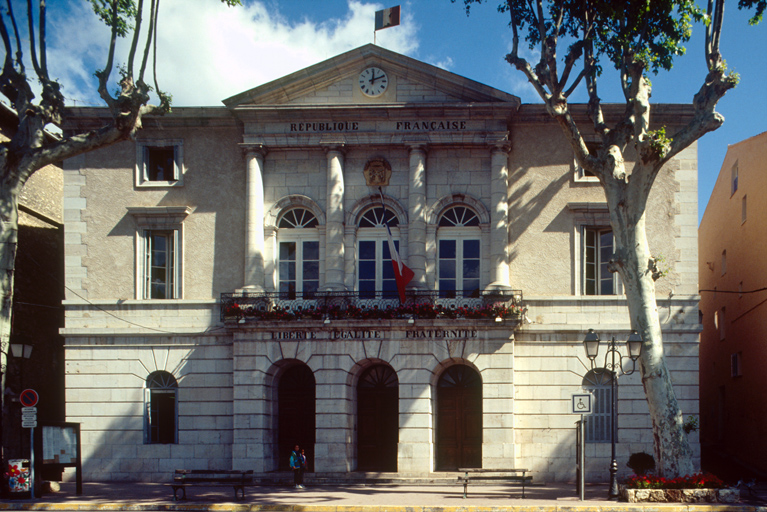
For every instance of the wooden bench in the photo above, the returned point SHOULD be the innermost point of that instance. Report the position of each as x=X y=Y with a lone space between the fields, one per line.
x=481 y=474
x=184 y=478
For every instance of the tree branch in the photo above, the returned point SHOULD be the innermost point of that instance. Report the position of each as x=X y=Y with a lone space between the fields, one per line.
x=713 y=56
x=134 y=42
x=43 y=46
x=32 y=48
x=103 y=75
x=19 y=53
x=575 y=53
x=149 y=39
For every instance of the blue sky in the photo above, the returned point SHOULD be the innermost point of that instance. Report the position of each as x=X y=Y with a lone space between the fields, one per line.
x=209 y=52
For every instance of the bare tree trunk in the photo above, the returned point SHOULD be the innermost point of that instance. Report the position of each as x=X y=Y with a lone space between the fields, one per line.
x=636 y=265
x=9 y=231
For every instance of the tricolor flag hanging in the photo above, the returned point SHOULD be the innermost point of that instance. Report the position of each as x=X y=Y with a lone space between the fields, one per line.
x=387 y=18
x=402 y=274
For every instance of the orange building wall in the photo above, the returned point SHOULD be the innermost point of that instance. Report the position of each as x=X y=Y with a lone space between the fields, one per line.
x=734 y=408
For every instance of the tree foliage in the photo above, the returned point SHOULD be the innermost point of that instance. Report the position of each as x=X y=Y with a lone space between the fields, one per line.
x=31 y=147
x=578 y=40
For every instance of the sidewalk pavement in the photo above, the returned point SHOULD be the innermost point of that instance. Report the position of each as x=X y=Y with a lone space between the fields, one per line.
x=356 y=498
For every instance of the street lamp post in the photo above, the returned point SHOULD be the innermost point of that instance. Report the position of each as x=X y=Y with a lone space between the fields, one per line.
x=634 y=345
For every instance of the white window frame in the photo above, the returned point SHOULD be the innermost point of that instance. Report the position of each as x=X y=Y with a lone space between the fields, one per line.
x=173 y=235
x=459 y=235
x=159 y=219
x=298 y=235
x=587 y=215
x=379 y=237
x=579 y=173
x=141 y=174
x=614 y=276
x=298 y=239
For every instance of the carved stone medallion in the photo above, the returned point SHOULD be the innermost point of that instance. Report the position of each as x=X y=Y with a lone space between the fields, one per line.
x=377 y=172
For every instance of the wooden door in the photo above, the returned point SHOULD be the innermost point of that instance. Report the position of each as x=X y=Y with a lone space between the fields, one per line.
x=377 y=419
x=459 y=419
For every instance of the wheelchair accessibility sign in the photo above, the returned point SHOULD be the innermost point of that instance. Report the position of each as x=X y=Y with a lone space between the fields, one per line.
x=581 y=403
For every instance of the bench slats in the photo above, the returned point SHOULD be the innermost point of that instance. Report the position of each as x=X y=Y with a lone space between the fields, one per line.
x=184 y=478
x=478 y=474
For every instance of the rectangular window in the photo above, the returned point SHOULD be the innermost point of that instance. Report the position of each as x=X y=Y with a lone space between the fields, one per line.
x=734 y=179
x=722 y=330
x=299 y=269
x=375 y=271
x=599 y=422
x=459 y=268
x=724 y=262
x=582 y=174
x=159 y=163
x=735 y=365
x=743 y=209
x=160 y=265
x=597 y=252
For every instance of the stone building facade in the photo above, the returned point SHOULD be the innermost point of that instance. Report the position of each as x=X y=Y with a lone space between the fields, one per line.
x=732 y=274
x=232 y=292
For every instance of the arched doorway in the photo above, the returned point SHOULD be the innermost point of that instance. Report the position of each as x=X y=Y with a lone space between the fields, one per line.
x=377 y=419
x=296 y=418
x=459 y=419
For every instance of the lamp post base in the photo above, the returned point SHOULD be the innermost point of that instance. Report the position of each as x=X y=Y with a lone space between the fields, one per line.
x=614 y=492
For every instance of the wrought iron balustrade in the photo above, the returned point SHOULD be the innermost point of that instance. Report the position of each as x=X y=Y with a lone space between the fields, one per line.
x=271 y=306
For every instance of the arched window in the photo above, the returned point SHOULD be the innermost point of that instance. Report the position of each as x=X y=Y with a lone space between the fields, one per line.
x=375 y=274
x=298 y=253
x=459 y=254
x=161 y=408
x=599 y=424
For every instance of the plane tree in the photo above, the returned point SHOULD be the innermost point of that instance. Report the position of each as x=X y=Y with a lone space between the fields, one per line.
x=577 y=41
x=39 y=104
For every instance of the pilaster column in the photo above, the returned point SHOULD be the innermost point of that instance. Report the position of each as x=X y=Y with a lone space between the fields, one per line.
x=334 y=225
x=416 y=253
x=499 y=217
x=253 y=278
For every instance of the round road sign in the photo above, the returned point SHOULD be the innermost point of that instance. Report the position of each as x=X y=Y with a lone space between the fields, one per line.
x=29 y=398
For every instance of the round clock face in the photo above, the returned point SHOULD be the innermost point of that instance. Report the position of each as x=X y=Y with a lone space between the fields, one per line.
x=373 y=82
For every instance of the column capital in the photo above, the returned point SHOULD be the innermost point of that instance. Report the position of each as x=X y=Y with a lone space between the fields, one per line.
x=253 y=148
x=338 y=147
x=418 y=144
x=500 y=146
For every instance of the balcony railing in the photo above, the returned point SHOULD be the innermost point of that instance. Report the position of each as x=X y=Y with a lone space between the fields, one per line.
x=271 y=306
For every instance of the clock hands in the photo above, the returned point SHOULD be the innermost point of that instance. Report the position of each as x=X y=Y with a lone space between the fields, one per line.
x=372 y=83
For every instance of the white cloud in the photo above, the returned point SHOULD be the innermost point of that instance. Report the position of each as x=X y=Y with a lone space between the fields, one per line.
x=446 y=63
x=208 y=52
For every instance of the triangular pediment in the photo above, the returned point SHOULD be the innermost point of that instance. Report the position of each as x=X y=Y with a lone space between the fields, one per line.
x=336 y=81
